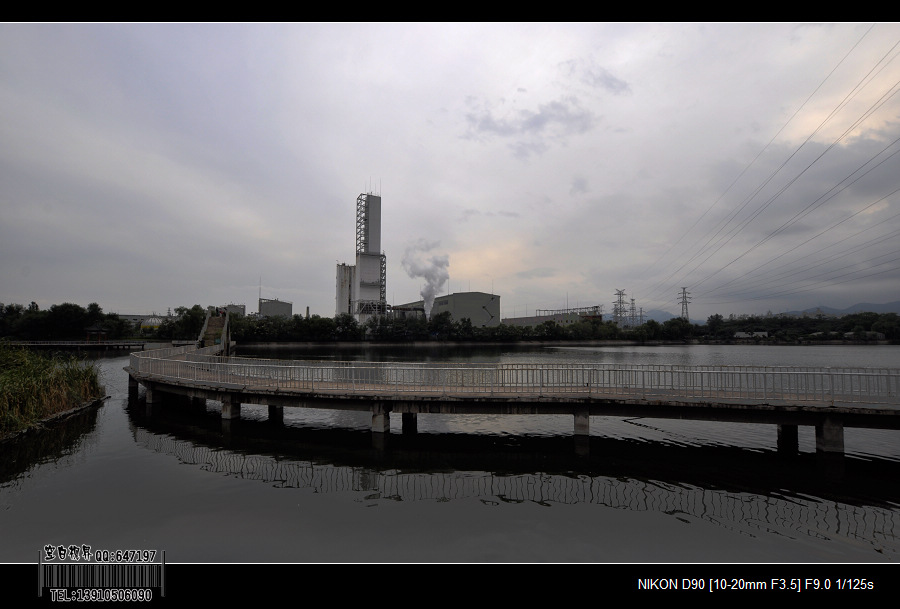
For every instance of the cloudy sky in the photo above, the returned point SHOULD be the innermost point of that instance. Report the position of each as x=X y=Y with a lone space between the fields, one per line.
x=150 y=166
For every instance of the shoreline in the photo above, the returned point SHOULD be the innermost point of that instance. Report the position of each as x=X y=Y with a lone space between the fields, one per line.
x=37 y=389
x=44 y=423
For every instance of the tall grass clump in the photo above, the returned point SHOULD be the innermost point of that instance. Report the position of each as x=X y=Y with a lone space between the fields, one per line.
x=34 y=386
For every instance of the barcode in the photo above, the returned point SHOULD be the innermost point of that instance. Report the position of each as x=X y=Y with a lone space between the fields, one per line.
x=101 y=576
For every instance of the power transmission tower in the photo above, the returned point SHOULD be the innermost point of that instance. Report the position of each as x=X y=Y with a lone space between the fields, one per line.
x=619 y=308
x=684 y=304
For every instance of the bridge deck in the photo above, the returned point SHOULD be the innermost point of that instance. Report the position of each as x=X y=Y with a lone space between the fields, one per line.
x=827 y=398
x=860 y=397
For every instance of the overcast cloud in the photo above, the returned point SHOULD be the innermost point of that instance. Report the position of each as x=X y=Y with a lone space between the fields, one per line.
x=150 y=166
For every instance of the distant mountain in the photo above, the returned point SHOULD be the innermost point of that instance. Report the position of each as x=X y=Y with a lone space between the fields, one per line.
x=862 y=307
x=661 y=316
x=658 y=315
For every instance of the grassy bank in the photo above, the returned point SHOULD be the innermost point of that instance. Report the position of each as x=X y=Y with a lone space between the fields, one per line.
x=34 y=386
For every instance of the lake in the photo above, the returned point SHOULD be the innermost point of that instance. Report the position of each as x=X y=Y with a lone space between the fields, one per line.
x=465 y=489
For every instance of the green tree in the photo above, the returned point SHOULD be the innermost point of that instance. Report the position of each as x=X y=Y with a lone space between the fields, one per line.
x=654 y=330
x=346 y=327
x=440 y=326
x=677 y=328
x=714 y=324
x=321 y=328
x=67 y=321
x=463 y=330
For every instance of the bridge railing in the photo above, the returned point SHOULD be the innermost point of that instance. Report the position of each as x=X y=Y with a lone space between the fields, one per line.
x=76 y=343
x=188 y=364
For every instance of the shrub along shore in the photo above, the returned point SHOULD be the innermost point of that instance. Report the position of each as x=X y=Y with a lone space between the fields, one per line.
x=35 y=387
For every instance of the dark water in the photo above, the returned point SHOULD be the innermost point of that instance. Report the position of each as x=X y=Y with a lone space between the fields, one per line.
x=464 y=489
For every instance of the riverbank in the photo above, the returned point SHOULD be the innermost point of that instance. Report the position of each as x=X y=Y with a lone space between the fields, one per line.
x=338 y=345
x=36 y=388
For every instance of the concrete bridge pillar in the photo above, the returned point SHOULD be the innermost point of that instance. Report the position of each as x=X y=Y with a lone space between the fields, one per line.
x=582 y=432
x=197 y=405
x=410 y=425
x=154 y=396
x=132 y=389
x=582 y=422
x=830 y=436
x=231 y=408
x=830 y=447
x=788 y=440
x=276 y=414
x=381 y=418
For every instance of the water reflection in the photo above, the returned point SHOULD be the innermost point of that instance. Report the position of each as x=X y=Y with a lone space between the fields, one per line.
x=836 y=356
x=53 y=443
x=735 y=489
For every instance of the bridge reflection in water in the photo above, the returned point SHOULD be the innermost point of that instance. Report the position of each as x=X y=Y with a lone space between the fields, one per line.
x=732 y=501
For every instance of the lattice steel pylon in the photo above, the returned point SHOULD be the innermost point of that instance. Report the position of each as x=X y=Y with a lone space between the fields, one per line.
x=684 y=304
x=619 y=308
x=362 y=223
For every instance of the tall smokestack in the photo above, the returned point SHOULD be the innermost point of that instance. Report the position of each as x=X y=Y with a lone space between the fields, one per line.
x=433 y=269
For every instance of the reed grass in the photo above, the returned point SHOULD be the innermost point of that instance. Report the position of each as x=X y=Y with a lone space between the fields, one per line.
x=34 y=386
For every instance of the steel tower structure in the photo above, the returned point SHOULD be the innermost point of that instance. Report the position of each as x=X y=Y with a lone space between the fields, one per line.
x=684 y=304
x=362 y=289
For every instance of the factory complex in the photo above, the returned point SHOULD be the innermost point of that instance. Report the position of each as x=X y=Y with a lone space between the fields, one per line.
x=361 y=289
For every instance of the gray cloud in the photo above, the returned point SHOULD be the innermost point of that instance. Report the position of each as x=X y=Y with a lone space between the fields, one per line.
x=595 y=76
x=563 y=117
x=537 y=273
x=148 y=166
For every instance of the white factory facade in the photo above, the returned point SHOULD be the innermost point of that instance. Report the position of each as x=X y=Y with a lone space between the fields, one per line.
x=482 y=309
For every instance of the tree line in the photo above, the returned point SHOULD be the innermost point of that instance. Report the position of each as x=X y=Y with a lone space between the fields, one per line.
x=66 y=321
x=70 y=321
x=443 y=327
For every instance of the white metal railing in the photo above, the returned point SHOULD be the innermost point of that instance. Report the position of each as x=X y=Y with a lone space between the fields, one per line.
x=820 y=385
x=116 y=341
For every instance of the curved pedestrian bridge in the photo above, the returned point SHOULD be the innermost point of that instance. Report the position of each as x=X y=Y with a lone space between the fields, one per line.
x=827 y=398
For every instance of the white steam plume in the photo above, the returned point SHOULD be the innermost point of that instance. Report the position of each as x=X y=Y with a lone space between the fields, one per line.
x=433 y=269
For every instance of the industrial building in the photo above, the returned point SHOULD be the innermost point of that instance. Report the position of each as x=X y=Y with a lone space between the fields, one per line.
x=236 y=309
x=482 y=309
x=275 y=308
x=361 y=289
x=563 y=317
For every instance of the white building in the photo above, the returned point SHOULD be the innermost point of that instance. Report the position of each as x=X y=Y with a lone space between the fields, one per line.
x=480 y=308
x=361 y=289
x=275 y=308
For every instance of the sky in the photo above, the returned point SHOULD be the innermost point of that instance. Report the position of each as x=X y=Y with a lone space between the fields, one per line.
x=150 y=166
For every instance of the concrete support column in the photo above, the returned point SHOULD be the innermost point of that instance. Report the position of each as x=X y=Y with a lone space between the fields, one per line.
x=381 y=418
x=197 y=405
x=830 y=436
x=276 y=414
x=154 y=399
x=582 y=423
x=788 y=440
x=231 y=408
x=582 y=432
x=830 y=448
x=132 y=389
x=153 y=396
x=409 y=423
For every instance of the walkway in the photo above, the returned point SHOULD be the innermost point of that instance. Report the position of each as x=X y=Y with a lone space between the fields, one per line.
x=828 y=399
